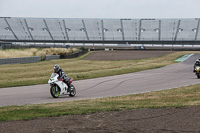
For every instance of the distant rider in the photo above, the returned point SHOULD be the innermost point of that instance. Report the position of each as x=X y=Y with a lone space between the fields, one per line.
x=61 y=74
x=197 y=63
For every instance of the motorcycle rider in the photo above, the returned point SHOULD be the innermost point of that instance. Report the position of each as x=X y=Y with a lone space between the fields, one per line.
x=61 y=74
x=197 y=63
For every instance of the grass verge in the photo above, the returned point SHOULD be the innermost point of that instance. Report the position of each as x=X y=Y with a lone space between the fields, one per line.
x=179 y=97
x=13 y=53
x=39 y=73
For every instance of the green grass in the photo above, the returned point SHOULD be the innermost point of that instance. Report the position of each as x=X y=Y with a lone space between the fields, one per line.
x=173 y=98
x=35 y=73
x=39 y=73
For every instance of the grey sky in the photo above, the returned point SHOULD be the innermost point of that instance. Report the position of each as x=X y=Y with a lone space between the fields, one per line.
x=100 y=8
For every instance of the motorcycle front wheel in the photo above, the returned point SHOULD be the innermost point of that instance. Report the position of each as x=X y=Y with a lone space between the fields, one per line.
x=54 y=92
x=198 y=75
x=72 y=91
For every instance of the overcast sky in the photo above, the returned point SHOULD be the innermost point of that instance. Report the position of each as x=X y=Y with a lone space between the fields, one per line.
x=100 y=8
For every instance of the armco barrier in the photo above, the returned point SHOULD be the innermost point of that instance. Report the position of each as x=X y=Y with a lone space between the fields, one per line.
x=52 y=57
x=20 y=60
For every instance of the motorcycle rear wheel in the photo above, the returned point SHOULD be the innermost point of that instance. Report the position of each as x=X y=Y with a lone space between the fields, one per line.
x=54 y=93
x=72 y=91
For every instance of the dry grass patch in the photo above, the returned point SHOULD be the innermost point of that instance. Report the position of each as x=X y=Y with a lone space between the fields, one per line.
x=13 y=53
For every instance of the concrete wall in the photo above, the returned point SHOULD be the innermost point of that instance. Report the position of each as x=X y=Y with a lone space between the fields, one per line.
x=20 y=60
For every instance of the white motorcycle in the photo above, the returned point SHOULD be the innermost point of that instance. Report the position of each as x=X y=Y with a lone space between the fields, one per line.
x=58 y=87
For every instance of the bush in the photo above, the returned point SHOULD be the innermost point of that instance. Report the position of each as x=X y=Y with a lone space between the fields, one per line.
x=83 y=48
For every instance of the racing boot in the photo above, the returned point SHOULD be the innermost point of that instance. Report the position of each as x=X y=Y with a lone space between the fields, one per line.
x=69 y=87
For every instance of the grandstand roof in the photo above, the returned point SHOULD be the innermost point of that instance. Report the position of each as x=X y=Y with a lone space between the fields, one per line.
x=99 y=30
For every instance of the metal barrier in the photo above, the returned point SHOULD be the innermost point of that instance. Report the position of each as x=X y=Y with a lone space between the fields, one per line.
x=23 y=60
x=52 y=57
x=20 y=60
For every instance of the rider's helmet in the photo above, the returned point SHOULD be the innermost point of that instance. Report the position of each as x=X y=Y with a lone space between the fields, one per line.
x=56 y=68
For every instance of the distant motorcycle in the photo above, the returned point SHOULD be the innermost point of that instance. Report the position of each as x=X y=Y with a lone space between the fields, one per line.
x=197 y=71
x=58 y=87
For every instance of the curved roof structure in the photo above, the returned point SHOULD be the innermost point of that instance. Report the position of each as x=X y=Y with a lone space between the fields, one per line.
x=66 y=30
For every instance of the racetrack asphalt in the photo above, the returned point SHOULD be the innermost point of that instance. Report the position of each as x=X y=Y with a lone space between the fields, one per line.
x=171 y=76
